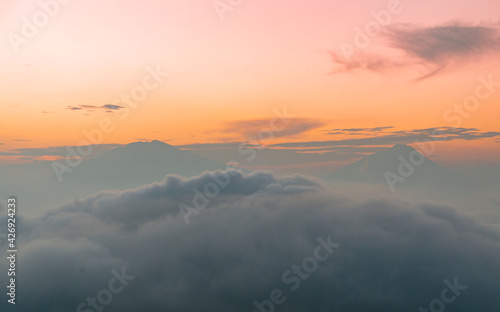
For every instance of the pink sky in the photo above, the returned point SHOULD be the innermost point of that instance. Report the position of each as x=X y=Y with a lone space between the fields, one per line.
x=263 y=56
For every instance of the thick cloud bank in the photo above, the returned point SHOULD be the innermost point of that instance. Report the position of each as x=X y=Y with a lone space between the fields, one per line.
x=259 y=241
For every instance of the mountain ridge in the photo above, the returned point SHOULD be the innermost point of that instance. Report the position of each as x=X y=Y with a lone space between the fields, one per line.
x=124 y=167
x=400 y=166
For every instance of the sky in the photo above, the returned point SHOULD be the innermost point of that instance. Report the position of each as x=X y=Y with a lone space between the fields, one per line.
x=171 y=102
x=218 y=74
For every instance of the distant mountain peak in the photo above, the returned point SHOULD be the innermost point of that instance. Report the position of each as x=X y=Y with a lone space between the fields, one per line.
x=145 y=144
x=402 y=147
x=158 y=142
x=372 y=168
x=140 y=163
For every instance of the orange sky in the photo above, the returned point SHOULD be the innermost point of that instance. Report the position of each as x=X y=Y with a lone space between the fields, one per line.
x=262 y=56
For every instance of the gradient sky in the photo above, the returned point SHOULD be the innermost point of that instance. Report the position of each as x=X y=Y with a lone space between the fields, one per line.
x=263 y=56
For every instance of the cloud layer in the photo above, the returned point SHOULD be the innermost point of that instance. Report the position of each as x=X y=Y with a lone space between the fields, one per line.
x=360 y=143
x=394 y=255
x=401 y=136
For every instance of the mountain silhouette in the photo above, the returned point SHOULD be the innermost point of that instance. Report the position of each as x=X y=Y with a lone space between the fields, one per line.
x=129 y=166
x=401 y=166
x=139 y=163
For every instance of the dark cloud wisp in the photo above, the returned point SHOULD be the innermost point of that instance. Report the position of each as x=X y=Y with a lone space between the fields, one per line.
x=109 y=108
x=433 y=49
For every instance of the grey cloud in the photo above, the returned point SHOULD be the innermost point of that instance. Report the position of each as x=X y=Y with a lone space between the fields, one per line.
x=251 y=128
x=436 y=49
x=61 y=151
x=90 y=108
x=358 y=131
x=199 y=146
x=354 y=151
x=394 y=254
x=362 y=60
x=165 y=196
x=403 y=137
x=366 y=129
x=227 y=147
x=227 y=152
x=446 y=47
x=372 y=140
x=113 y=107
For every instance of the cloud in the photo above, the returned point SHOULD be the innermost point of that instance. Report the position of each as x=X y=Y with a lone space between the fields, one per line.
x=376 y=136
x=279 y=157
x=200 y=146
x=250 y=129
x=360 y=143
x=109 y=108
x=367 y=129
x=112 y=107
x=393 y=254
x=434 y=49
x=60 y=151
x=402 y=137
x=228 y=147
x=362 y=60
x=358 y=131
x=178 y=189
